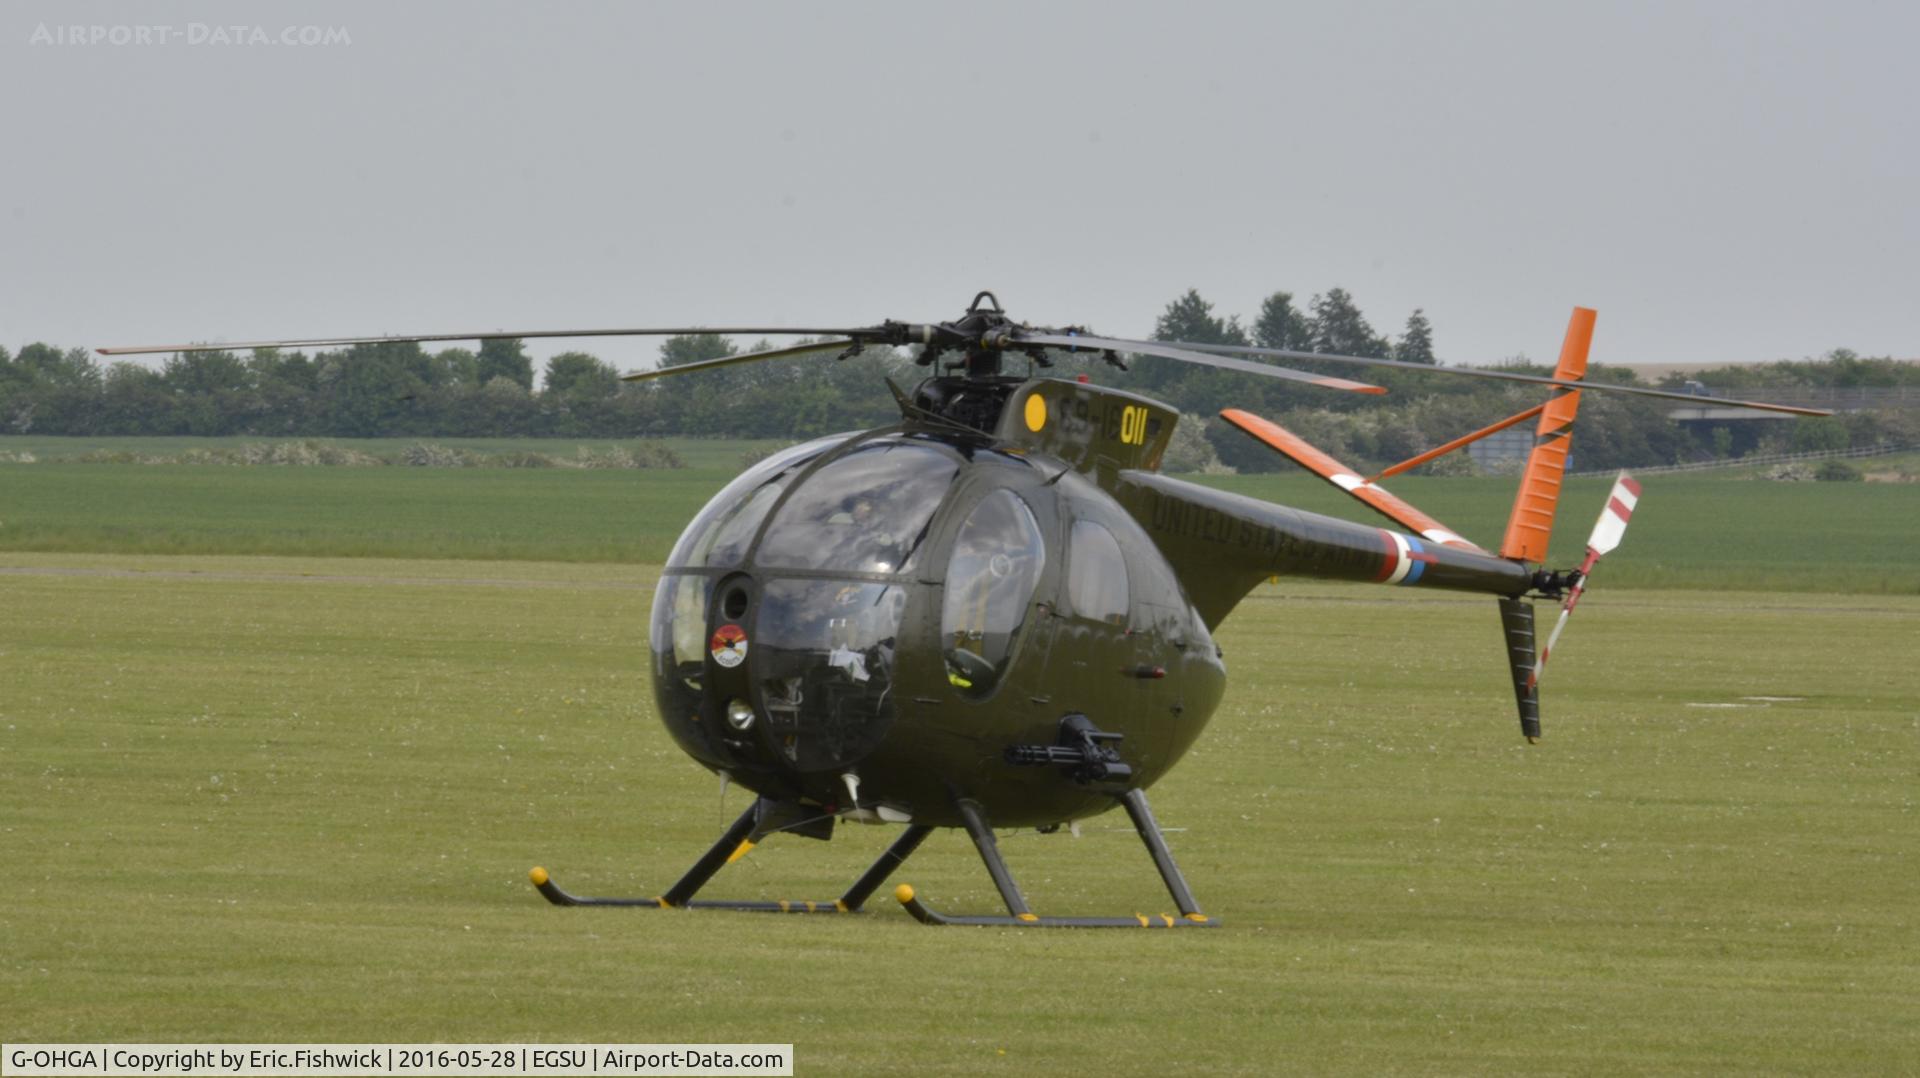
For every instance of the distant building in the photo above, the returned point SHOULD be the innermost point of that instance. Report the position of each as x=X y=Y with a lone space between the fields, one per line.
x=1504 y=452
x=1838 y=399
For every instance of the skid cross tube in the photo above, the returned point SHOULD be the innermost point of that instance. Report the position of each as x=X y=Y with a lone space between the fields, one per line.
x=1018 y=915
x=733 y=843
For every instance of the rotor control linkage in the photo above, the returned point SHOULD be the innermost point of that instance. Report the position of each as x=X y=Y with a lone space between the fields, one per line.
x=760 y=818
x=1554 y=583
x=1020 y=916
x=1083 y=748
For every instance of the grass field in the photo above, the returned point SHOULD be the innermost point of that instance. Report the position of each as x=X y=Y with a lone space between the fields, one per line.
x=254 y=793
x=1696 y=532
x=265 y=799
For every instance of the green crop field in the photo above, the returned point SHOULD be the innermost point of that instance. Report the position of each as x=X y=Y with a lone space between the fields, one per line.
x=256 y=794
x=605 y=516
x=723 y=453
x=1695 y=532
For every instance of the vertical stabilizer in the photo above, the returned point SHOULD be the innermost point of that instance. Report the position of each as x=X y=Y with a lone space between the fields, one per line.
x=1516 y=616
x=1531 y=524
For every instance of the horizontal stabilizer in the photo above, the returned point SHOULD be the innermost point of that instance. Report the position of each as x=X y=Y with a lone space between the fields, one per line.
x=1374 y=496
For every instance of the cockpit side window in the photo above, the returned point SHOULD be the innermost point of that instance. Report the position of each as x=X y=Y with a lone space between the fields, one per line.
x=1096 y=574
x=996 y=564
x=866 y=512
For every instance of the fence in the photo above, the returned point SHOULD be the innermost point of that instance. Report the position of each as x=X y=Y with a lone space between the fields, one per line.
x=1837 y=398
x=1764 y=458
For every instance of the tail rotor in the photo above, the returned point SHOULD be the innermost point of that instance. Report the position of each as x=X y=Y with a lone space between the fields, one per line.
x=1607 y=533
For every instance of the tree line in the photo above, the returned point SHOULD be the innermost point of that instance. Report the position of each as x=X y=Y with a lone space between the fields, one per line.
x=405 y=390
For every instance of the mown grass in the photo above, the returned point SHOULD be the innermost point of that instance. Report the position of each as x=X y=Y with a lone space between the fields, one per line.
x=266 y=799
x=1693 y=532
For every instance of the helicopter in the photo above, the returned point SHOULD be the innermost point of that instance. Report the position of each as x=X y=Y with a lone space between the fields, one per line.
x=999 y=612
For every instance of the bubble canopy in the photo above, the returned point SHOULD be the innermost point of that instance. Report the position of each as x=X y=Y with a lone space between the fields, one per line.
x=810 y=556
x=867 y=511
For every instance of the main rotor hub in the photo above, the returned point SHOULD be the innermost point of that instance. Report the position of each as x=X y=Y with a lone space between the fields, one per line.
x=980 y=334
x=983 y=335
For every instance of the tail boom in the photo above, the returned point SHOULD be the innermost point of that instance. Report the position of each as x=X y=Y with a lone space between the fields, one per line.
x=1223 y=544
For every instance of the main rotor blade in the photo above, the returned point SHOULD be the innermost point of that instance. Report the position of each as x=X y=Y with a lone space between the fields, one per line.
x=728 y=361
x=1184 y=352
x=491 y=335
x=1505 y=376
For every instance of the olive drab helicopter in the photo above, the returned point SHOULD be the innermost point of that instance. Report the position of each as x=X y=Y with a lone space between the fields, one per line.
x=997 y=612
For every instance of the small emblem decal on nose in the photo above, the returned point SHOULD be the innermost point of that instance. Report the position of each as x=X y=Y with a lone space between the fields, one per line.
x=729 y=645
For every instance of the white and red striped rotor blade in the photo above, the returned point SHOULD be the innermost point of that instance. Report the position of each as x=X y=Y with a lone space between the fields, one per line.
x=1607 y=532
x=1613 y=519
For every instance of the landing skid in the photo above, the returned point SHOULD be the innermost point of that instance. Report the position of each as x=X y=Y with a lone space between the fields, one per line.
x=1019 y=915
x=737 y=840
x=731 y=847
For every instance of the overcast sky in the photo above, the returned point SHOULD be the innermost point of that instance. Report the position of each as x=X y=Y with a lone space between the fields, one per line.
x=1723 y=181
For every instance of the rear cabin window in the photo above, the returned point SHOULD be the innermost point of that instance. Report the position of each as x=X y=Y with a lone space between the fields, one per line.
x=1096 y=574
